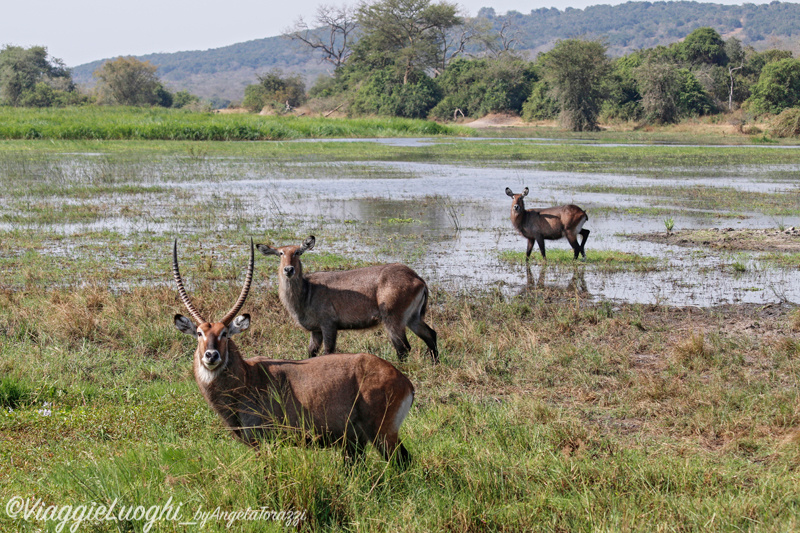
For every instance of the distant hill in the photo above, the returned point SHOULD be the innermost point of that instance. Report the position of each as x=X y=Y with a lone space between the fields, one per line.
x=222 y=73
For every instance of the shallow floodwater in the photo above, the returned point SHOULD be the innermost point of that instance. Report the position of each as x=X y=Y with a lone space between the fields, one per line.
x=467 y=257
x=453 y=219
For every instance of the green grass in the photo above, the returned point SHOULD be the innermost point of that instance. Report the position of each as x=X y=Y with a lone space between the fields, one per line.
x=537 y=418
x=548 y=412
x=132 y=123
x=604 y=260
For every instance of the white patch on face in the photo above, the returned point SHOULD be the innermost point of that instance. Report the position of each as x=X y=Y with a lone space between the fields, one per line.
x=402 y=412
x=205 y=375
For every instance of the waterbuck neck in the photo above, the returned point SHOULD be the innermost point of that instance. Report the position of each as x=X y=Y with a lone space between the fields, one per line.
x=518 y=218
x=222 y=387
x=293 y=293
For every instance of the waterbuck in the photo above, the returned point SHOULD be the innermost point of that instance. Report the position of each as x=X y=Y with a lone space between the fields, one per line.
x=345 y=399
x=325 y=302
x=551 y=223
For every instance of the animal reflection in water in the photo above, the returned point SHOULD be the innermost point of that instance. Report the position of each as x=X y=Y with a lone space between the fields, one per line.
x=535 y=282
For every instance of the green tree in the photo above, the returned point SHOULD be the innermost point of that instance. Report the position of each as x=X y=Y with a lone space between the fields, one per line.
x=128 y=81
x=480 y=86
x=624 y=100
x=29 y=77
x=385 y=93
x=778 y=87
x=576 y=71
x=693 y=100
x=659 y=84
x=704 y=45
x=539 y=105
x=183 y=99
x=276 y=89
x=408 y=34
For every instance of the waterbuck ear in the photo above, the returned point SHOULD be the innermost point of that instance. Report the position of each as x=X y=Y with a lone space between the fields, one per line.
x=266 y=249
x=525 y=191
x=185 y=325
x=239 y=324
x=508 y=192
x=308 y=244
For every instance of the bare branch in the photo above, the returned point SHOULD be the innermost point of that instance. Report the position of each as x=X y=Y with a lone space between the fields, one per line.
x=336 y=26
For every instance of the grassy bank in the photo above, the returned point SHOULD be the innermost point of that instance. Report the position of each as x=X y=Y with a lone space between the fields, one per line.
x=133 y=123
x=551 y=410
x=544 y=415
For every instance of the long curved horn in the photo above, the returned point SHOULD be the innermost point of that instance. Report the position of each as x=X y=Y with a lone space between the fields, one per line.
x=184 y=297
x=243 y=296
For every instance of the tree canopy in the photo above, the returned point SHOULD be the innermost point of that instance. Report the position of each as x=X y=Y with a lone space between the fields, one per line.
x=576 y=71
x=28 y=77
x=128 y=81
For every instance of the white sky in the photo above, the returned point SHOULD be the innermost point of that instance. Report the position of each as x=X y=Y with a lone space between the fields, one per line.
x=80 y=31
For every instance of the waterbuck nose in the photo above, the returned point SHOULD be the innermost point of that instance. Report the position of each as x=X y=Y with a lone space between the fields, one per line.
x=211 y=356
x=289 y=270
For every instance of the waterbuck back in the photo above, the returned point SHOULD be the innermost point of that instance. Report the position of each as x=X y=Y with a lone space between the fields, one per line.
x=551 y=223
x=344 y=399
x=325 y=302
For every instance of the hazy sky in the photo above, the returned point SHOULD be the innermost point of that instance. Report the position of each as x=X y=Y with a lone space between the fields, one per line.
x=80 y=31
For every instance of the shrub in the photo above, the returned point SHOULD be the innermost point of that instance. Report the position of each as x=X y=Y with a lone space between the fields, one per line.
x=539 y=105
x=787 y=124
x=273 y=87
x=478 y=87
x=778 y=87
x=385 y=94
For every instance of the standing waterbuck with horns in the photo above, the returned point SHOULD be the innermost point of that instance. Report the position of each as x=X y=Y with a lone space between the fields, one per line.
x=343 y=398
x=551 y=223
x=325 y=302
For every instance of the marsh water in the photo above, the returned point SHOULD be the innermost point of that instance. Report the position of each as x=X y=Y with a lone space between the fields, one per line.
x=464 y=253
x=451 y=221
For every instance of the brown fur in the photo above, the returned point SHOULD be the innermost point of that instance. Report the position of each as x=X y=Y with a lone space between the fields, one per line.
x=325 y=302
x=552 y=223
x=344 y=399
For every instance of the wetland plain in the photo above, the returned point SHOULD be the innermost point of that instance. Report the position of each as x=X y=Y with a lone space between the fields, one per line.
x=653 y=386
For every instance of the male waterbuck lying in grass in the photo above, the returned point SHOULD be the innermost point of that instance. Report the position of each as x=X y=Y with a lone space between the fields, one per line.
x=325 y=302
x=551 y=223
x=349 y=399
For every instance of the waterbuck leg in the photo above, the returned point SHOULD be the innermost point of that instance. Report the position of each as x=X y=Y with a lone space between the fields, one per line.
x=315 y=343
x=353 y=450
x=529 y=250
x=585 y=234
x=329 y=339
x=393 y=450
x=427 y=334
x=540 y=242
x=397 y=334
x=573 y=241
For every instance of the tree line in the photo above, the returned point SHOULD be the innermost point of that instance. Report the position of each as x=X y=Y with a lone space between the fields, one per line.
x=425 y=59
x=29 y=77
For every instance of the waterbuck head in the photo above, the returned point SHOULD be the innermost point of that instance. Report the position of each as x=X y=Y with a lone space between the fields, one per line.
x=212 y=355
x=517 y=204
x=290 y=256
